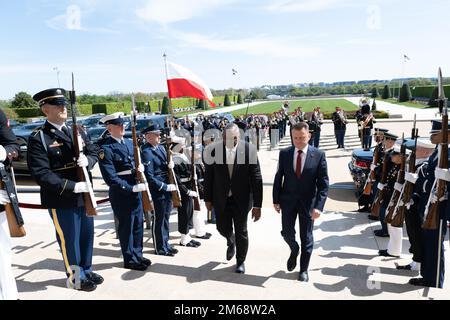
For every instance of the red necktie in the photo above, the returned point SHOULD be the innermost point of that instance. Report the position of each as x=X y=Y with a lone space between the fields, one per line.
x=298 y=168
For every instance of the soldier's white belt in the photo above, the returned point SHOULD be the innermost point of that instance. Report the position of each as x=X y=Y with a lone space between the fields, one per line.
x=398 y=186
x=125 y=173
x=185 y=179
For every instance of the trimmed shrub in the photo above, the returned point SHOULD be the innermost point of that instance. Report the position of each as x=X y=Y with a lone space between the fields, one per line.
x=108 y=108
x=226 y=101
x=434 y=95
x=239 y=99
x=405 y=93
x=375 y=93
x=84 y=109
x=386 y=92
x=29 y=112
x=165 y=106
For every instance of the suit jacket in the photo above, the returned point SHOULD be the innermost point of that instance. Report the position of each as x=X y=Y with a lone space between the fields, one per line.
x=307 y=193
x=245 y=184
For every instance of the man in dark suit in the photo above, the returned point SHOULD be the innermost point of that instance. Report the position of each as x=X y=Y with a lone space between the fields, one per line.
x=233 y=186
x=300 y=189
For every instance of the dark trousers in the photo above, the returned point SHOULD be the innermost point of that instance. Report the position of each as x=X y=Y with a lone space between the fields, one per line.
x=161 y=225
x=288 y=220
x=316 y=139
x=367 y=141
x=415 y=234
x=429 y=266
x=233 y=216
x=185 y=213
x=131 y=226
x=383 y=209
x=340 y=134
x=75 y=236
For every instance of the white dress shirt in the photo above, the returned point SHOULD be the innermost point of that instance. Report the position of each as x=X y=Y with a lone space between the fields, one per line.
x=304 y=153
x=230 y=157
x=58 y=126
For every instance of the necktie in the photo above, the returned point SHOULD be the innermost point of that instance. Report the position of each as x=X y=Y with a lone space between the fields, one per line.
x=65 y=130
x=298 y=167
x=230 y=163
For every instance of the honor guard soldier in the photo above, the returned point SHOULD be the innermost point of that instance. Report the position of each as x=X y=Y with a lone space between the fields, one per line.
x=183 y=173
x=8 y=149
x=154 y=157
x=366 y=121
x=391 y=175
x=116 y=160
x=52 y=163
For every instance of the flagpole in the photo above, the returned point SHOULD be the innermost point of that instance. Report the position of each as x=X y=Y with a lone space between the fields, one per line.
x=168 y=92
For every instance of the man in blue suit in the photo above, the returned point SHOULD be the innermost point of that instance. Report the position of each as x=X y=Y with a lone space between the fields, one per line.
x=300 y=189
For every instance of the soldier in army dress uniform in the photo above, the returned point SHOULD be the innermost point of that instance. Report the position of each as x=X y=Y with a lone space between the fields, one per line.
x=52 y=163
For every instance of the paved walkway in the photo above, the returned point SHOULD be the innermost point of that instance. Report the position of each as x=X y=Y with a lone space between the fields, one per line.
x=344 y=265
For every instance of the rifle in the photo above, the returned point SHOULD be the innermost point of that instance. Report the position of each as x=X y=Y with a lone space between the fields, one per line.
x=82 y=173
x=380 y=194
x=405 y=199
x=398 y=190
x=13 y=214
x=147 y=203
x=194 y=175
x=372 y=175
x=439 y=189
x=176 y=197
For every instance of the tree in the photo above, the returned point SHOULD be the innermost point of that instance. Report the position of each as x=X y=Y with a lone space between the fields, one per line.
x=202 y=104
x=375 y=93
x=386 y=92
x=434 y=95
x=226 y=101
x=23 y=100
x=239 y=99
x=405 y=93
x=165 y=106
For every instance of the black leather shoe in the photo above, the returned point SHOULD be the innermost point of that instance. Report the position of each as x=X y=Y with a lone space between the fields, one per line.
x=407 y=267
x=230 y=252
x=303 y=276
x=135 y=266
x=206 y=236
x=189 y=244
x=240 y=268
x=173 y=250
x=95 y=278
x=417 y=282
x=87 y=285
x=146 y=262
x=380 y=233
x=292 y=261
x=363 y=209
x=196 y=243
x=385 y=253
x=371 y=217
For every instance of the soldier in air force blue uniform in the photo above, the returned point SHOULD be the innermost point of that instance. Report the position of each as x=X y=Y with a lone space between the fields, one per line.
x=116 y=160
x=52 y=163
x=154 y=157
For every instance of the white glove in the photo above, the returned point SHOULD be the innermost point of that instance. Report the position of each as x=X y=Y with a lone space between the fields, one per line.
x=381 y=186
x=192 y=194
x=442 y=174
x=171 y=187
x=139 y=187
x=82 y=161
x=2 y=154
x=171 y=165
x=141 y=168
x=372 y=167
x=4 y=199
x=81 y=187
x=411 y=177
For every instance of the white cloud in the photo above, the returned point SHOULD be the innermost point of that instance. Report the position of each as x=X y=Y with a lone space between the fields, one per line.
x=366 y=42
x=169 y=11
x=301 y=5
x=287 y=47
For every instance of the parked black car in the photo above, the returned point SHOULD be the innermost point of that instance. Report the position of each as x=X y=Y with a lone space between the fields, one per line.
x=359 y=165
x=22 y=133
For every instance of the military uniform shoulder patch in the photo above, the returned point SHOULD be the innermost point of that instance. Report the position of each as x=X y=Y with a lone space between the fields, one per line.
x=101 y=154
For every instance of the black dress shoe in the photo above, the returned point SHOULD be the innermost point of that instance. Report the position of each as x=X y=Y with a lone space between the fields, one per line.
x=196 y=243
x=95 y=278
x=385 y=253
x=240 y=268
x=371 y=217
x=407 y=267
x=230 y=252
x=206 y=236
x=292 y=261
x=173 y=250
x=418 y=282
x=363 y=209
x=146 y=262
x=189 y=244
x=303 y=276
x=380 y=233
x=87 y=285
x=135 y=266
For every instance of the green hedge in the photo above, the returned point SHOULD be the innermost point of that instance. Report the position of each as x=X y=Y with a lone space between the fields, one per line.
x=28 y=112
x=108 y=108
x=426 y=91
x=84 y=109
x=351 y=114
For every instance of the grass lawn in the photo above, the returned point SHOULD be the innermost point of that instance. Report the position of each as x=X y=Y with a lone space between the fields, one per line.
x=407 y=104
x=182 y=114
x=326 y=105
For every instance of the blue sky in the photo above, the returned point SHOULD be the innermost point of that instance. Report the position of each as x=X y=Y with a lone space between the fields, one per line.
x=117 y=45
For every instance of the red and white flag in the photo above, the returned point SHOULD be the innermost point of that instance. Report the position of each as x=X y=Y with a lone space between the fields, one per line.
x=182 y=82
